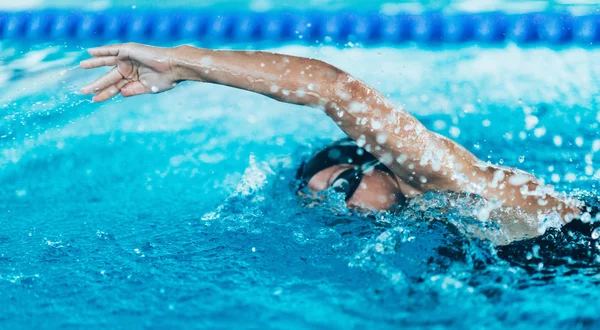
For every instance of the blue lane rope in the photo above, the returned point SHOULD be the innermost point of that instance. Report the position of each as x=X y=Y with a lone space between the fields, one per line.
x=338 y=27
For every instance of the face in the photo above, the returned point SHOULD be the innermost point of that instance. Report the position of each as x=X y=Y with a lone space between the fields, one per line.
x=377 y=190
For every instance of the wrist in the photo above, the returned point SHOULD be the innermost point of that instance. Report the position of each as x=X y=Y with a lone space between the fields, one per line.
x=182 y=62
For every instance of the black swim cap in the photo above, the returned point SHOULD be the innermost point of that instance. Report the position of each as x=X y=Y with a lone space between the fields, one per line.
x=344 y=151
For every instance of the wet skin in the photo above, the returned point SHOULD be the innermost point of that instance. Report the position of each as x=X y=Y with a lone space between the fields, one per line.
x=420 y=159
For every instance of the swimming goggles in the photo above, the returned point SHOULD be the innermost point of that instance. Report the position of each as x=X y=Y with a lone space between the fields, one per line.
x=342 y=152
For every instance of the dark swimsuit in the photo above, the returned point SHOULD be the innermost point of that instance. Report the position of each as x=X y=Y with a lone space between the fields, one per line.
x=574 y=244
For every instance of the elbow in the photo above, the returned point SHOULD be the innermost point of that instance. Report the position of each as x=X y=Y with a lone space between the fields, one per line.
x=344 y=87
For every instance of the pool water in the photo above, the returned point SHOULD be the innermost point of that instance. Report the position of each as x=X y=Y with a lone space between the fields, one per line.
x=176 y=210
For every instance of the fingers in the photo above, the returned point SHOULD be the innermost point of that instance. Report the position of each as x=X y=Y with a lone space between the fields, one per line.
x=109 y=91
x=110 y=50
x=98 y=62
x=133 y=88
x=111 y=78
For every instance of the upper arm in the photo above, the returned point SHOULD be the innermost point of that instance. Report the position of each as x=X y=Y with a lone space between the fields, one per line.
x=418 y=156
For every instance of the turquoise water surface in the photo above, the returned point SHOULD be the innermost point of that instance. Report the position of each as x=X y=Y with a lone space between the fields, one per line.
x=176 y=210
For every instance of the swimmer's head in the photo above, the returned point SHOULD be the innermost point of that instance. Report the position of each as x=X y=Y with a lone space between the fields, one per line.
x=349 y=169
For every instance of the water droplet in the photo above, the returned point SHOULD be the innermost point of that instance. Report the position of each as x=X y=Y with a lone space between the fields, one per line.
x=570 y=177
x=530 y=122
x=518 y=179
x=596 y=233
x=454 y=131
x=557 y=140
x=381 y=138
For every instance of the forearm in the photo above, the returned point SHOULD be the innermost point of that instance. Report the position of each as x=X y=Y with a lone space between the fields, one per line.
x=289 y=79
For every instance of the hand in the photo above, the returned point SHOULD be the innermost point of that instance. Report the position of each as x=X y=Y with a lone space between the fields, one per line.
x=138 y=69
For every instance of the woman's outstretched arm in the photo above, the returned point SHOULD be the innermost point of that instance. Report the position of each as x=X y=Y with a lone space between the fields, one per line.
x=422 y=159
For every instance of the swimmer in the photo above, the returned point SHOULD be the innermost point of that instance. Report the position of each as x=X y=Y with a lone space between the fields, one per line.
x=389 y=156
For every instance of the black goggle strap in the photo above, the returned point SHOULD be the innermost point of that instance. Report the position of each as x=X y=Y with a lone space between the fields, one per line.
x=349 y=180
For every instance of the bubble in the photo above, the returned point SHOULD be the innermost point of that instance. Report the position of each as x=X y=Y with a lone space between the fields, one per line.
x=530 y=122
x=536 y=251
x=589 y=170
x=381 y=138
x=357 y=107
x=579 y=141
x=539 y=132
x=382 y=198
x=596 y=146
x=518 y=179
x=334 y=153
x=154 y=89
x=552 y=220
x=483 y=214
x=521 y=159
x=555 y=178
x=274 y=89
x=361 y=141
x=376 y=124
x=498 y=177
x=596 y=233
x=557 y=140
x=439 y=124
x=454 y=131
x=570 y=177
x=386 y=158
x=401 y=159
